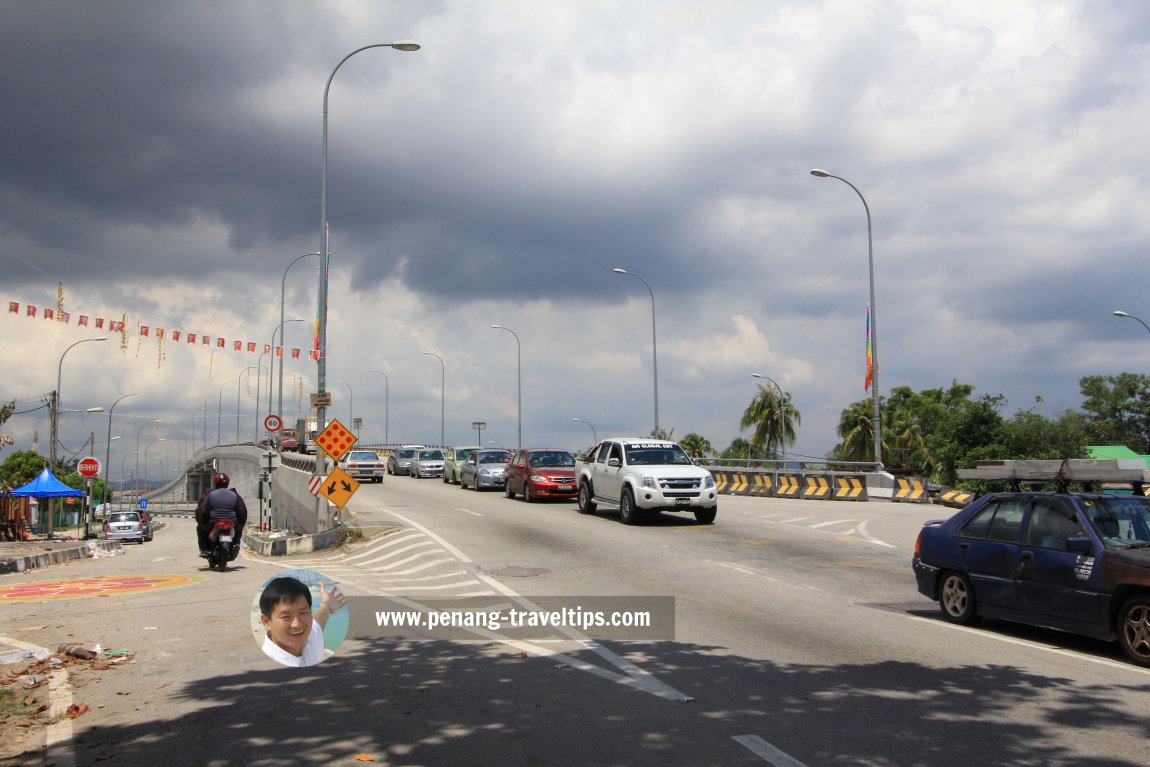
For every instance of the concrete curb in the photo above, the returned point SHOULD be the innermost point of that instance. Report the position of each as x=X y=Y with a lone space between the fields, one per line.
x=300 y=544
x=82 y=550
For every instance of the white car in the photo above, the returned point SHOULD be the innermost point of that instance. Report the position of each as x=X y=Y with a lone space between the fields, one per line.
x=363 y=465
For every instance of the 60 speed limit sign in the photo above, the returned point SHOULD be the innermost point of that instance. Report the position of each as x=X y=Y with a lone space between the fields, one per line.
x=272 y=423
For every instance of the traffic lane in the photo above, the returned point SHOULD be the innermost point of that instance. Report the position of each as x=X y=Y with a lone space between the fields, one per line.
x=789 y=620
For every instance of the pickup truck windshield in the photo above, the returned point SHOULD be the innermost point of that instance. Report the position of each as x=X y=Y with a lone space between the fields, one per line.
x=647 y=455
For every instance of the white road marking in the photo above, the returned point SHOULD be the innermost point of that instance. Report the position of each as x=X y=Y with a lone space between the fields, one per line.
x=772 y=755
x=58 y=734
x=469 y=511
x=828 y=524
x=792 y=520
x=868 y=538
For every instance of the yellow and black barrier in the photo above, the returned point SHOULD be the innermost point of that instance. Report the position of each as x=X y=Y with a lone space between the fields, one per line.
x=849 y=488
x=909 y=490
x=957 y=498
x=788 y=485
x=762 y=485
x=816 y=487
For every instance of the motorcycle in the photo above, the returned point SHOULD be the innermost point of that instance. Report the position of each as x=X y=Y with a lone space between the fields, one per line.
x=223 y=549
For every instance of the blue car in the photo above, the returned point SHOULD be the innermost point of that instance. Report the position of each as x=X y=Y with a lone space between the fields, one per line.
x=1074 y=562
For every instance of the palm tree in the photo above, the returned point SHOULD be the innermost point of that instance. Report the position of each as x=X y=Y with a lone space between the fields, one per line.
x=773 y=417
x=697 y=446
x=856 y=429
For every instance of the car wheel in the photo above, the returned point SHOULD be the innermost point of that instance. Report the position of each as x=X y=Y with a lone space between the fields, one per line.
x=508 y=491
x=586 y=503
x=445 y=479
x=1134 y=629
x=706 y=516
x=627 y=511
x=527 y=493
x=462 y=482
x=956 y=597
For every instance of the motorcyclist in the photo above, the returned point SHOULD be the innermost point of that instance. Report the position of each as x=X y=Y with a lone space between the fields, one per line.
x=219 y=503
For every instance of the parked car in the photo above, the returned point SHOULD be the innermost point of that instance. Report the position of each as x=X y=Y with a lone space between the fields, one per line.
x=363 y=465
x=399 y=462
x=484 y=468
x=289 y=442
x=453 y=462
x=541 y=474
x=124 y=526
x=1075 y=562
x=426 y=463
x=148 y=520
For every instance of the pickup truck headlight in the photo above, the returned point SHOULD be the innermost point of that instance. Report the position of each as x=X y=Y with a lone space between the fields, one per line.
x=650 y=481
x=709 y=481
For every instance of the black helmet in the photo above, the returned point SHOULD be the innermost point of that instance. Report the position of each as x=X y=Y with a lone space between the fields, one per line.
x=221 y=480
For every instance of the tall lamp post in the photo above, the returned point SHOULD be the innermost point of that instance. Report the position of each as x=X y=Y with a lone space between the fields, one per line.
x=205 y=422
x=782 y=400
x=1120 y=313
x=148 y=447
x=519 y=363
x=55 y=413
x=137 y=453
x=350 y=404
x=654 y=346
x=442 y=394
x=594 y=435
x=220 y=409
x=283 y=285
x=876 y=415
x=247 y=370
x=386 y=397
x=108 y=451
x=325 y=253
x=272 y=362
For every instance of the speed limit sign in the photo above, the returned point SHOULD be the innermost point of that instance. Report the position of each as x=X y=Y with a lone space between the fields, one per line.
x=272 y=423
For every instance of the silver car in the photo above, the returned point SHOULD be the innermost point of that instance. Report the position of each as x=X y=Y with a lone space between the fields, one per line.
x=399 y=462
x=363 y=465
x=125 y=526
x=484 y=468
x=427 y=463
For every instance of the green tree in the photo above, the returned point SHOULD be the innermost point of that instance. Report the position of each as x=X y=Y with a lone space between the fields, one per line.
x=856 y=430
x=741 y=450
x=661 y=433
x=773 y=417
x=21 y=467
x=1119 y=409
x=697 y=446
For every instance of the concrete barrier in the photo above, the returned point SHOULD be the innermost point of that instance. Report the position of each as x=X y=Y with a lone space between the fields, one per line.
x=909 y=490
x=849 y=488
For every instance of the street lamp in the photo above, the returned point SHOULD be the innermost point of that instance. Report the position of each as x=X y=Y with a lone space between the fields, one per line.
x=108 y=451
x=272 y=363
x=283 y=284
x=782 y=400
x=594 y=435
x=386 y=397
x=442 y=394
x=220 y=408
x=1120 y=313
x=350 y=404
x=247 y=370
x=205 y=423
x=873 y=317
x=325 y=253
x=137 y=453
x=55 y=415
x=160 y=439
x=519 y=361
x=654 y=347
x=123 y=462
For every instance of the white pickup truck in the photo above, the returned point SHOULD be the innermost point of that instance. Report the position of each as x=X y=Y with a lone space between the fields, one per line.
x=644 y=476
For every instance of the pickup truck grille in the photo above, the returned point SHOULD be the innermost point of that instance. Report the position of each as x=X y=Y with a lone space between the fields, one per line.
x=680 y=487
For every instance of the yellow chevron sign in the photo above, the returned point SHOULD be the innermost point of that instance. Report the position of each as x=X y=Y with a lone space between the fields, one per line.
x=909 y=489
x=762 y=484
x=817 y=486
x=740 y=483
x=849 y=488
x=788 y=485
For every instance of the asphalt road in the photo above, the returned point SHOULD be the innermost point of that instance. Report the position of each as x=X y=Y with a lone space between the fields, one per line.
x=799 y=638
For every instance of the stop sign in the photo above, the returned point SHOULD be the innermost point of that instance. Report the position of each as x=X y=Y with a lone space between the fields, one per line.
x=88 y=467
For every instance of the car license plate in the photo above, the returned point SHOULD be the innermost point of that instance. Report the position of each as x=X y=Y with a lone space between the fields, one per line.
x=225 y=539
x=682 y=501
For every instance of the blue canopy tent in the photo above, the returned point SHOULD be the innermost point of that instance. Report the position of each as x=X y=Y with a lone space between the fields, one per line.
x=47 y=486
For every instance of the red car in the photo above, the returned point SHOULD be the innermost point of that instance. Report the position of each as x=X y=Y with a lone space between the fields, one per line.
x=541 y=473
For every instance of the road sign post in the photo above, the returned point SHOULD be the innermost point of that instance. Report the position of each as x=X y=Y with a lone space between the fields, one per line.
x=89 y=468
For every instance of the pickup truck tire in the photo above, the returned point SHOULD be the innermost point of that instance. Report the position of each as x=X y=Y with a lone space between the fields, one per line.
x=628 y=512
x=1134 y=629
x=706 y=516
x=586 y=503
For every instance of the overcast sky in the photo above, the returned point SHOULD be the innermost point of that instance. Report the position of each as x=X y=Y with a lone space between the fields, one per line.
x=162 y=161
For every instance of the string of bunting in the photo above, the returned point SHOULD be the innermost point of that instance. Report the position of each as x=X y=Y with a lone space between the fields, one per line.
x=58 y=314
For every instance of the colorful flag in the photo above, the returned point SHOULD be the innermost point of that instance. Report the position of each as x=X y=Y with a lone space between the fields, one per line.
x=869 y=353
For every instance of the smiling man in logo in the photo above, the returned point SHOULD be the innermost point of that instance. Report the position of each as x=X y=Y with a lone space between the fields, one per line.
x=293 y=633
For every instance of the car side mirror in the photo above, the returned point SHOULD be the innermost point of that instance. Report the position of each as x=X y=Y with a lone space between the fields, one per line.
x=613 y=462
x=1080 y=545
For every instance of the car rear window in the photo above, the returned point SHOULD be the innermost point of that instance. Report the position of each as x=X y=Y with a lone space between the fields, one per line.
x=363 y=455
x=124 y=516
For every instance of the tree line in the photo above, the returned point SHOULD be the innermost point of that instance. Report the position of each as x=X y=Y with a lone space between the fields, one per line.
x=935 y=432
